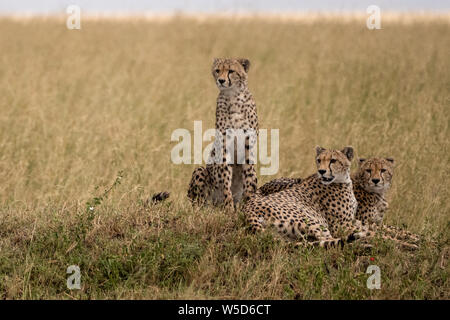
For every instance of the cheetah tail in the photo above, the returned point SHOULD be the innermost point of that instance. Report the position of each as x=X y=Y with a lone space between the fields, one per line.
x=160 y=196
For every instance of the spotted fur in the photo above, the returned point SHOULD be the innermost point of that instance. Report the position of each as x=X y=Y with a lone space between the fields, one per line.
x=320 y=209
x=226 y=183
x=371 y=183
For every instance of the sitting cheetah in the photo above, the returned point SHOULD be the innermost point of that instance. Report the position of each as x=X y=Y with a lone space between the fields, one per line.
x=321 y=208
x=222 y=181
x=370 y=184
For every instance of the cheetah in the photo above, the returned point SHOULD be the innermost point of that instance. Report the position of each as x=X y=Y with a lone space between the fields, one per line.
x=229 y=178
x=320 y=209
x=371 y=183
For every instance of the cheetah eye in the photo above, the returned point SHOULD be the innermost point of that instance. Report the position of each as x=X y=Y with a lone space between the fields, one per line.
x=231 y=71
x=217 y=70
x=383 y=170
x=332 y=160
x=318 y=160
x=369 y=171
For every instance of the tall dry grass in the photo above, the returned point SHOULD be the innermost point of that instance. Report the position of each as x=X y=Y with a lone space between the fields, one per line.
x=77 y=107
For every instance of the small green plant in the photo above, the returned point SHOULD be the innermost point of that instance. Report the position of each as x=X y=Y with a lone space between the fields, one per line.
x=86 y=217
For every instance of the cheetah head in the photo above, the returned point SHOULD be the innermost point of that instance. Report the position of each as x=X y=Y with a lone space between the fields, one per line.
x=230 y=73
x=375 y=174
x=333 y=166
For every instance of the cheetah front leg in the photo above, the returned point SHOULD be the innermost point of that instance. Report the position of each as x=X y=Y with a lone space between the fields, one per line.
x=324 y=239
x=400 y=234
x=199 y=187
x=306 y=234
x=350 y=230
x=312 y=231
x=225 y=176
x=250 y=180
x=406 y=241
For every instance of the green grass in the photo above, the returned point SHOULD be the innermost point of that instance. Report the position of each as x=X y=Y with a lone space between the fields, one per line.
x=80 y=108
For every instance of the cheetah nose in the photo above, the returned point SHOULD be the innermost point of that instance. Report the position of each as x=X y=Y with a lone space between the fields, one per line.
x=322 y=172
x=375 y=181
x=222 y=81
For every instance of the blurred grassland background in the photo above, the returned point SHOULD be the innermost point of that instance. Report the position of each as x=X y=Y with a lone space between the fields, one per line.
x=79 y=106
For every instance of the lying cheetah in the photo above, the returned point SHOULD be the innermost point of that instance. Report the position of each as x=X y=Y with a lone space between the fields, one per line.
x=321 y=208
x=371 y=183
x=226 y=183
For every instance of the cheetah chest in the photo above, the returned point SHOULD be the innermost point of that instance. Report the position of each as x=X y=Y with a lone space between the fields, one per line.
x=338 y=203
x=233 y=113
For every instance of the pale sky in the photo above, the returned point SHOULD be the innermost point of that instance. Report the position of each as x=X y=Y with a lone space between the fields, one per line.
x=168 y=6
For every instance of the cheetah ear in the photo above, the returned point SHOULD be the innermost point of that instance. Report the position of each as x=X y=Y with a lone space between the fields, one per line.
x=361 y=160
x=319 y=150
x=348 y=151
x=215 y=61
x=245 y=63
x=391 y=160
